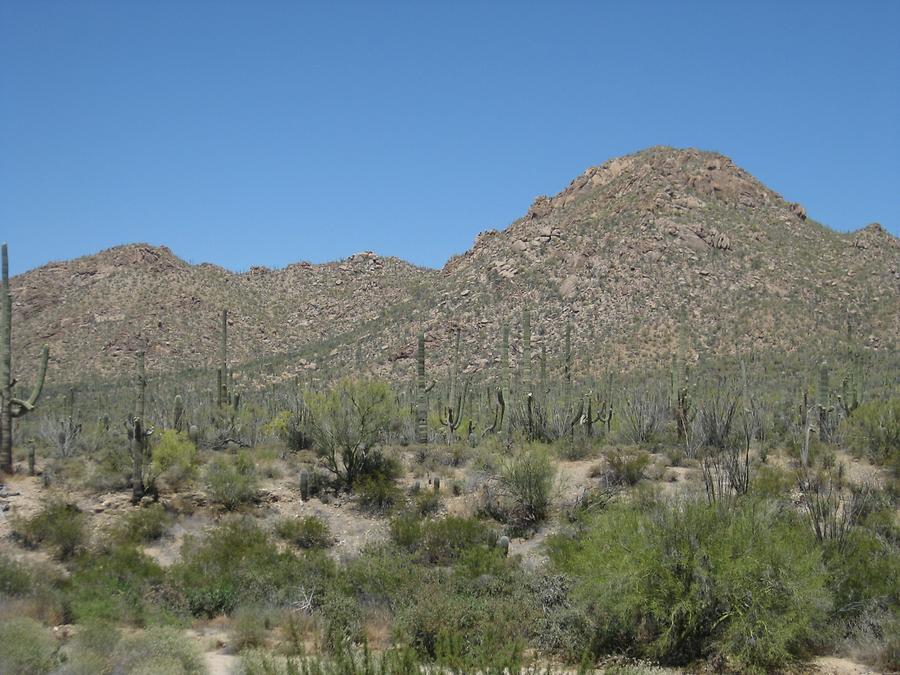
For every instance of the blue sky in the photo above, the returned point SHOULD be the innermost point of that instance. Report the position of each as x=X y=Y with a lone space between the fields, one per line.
x=247 y=133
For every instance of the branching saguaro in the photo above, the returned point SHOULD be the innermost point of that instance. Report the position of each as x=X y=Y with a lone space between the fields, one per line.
x=11 y=407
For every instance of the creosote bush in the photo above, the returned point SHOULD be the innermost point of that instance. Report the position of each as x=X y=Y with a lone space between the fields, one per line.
x=232 y=482
x=528 y=478
x=873 y=431
x=625 y=466
x=114 y=585
x=142 y=525
x=59 y=525
x=26 y=647
x=306 y=532
x=236 y=563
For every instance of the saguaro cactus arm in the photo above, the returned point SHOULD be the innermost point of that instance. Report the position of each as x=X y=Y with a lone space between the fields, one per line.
x=20 y=406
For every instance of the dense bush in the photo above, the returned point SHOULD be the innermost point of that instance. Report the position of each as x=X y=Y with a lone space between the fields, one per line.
x=625 y=467
x=441 y=541
x=173 y=459
x=26 y=647
x=873 y=431
x=348 y=422
x=157 y=651
x=377 y=493
x=236 y=564
x=142 y=525
x=232 y=482
x=58 y=524
x=687 y=581
x=114 y=585
x=528 y=478
x=15 y=578
x=307 y=532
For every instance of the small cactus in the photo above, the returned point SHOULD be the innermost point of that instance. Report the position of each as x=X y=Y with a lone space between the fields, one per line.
x=437 y=484
x=304 y=485
x=503 y=545
x=194 y=434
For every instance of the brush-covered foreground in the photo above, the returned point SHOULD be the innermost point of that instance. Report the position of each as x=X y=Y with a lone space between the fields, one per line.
x=660 y=540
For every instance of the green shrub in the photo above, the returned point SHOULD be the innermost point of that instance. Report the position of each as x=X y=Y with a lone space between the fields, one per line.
x=142 y=525
x=528 y=478
x=232 y=482
x=173 y=459
x=112 y=470
x=441 y=541
x=90 y=651
x=874 y=638
x=626 y=467
x=26 y=647
x=427 y=503
x=377 y=493
x=249 y=627
x=687 y=581
x=236 y=564
x=58 y=524
x=575 y=449
x=773 y=482
x=863 y=572
x=15 y=578
x=35 y=587
x=157 y=651
x=873 y=431
x=394 y=661
x=342 y=622
x=308 y=532
x=465 y=630
x=113 y=585
x=347 y=422
x=382 y=576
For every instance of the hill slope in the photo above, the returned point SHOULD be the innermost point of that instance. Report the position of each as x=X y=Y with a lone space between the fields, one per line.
x=644 y=253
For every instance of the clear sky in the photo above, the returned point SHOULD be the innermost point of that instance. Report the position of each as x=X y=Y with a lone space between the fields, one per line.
x=246 y=133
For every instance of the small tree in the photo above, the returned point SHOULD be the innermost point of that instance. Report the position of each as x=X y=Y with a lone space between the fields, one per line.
x=347 y=422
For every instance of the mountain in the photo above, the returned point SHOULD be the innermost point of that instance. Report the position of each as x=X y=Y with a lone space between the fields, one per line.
x=662 y=250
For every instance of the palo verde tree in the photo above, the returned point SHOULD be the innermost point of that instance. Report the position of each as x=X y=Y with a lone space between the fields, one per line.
x=347 y=423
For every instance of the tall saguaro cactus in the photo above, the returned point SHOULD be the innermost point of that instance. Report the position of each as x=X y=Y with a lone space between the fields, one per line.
x=222 y=378
x=421 y=405
x=526 y=351
x=138 y=431
x=10 y=407
x=504 y=371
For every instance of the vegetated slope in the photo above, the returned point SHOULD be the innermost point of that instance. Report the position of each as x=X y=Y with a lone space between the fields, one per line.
x=648 y=253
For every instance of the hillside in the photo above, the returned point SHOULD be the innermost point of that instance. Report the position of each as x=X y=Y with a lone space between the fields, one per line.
x=644 y=253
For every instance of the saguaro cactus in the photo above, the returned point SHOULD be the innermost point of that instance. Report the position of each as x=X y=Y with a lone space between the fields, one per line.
x=178 y=416
x=504 y=373
x=526 y=351
x=11 y=407
x=138 y=432
x=222 y=378
x=421 y=405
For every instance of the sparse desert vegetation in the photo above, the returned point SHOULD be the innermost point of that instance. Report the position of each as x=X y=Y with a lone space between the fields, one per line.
x=510 y=498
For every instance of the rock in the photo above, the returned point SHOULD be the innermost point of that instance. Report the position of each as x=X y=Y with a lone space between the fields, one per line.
x=569 y=287
x=798 y=211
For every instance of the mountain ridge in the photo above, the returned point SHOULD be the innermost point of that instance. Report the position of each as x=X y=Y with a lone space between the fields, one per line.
x=641 y=253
